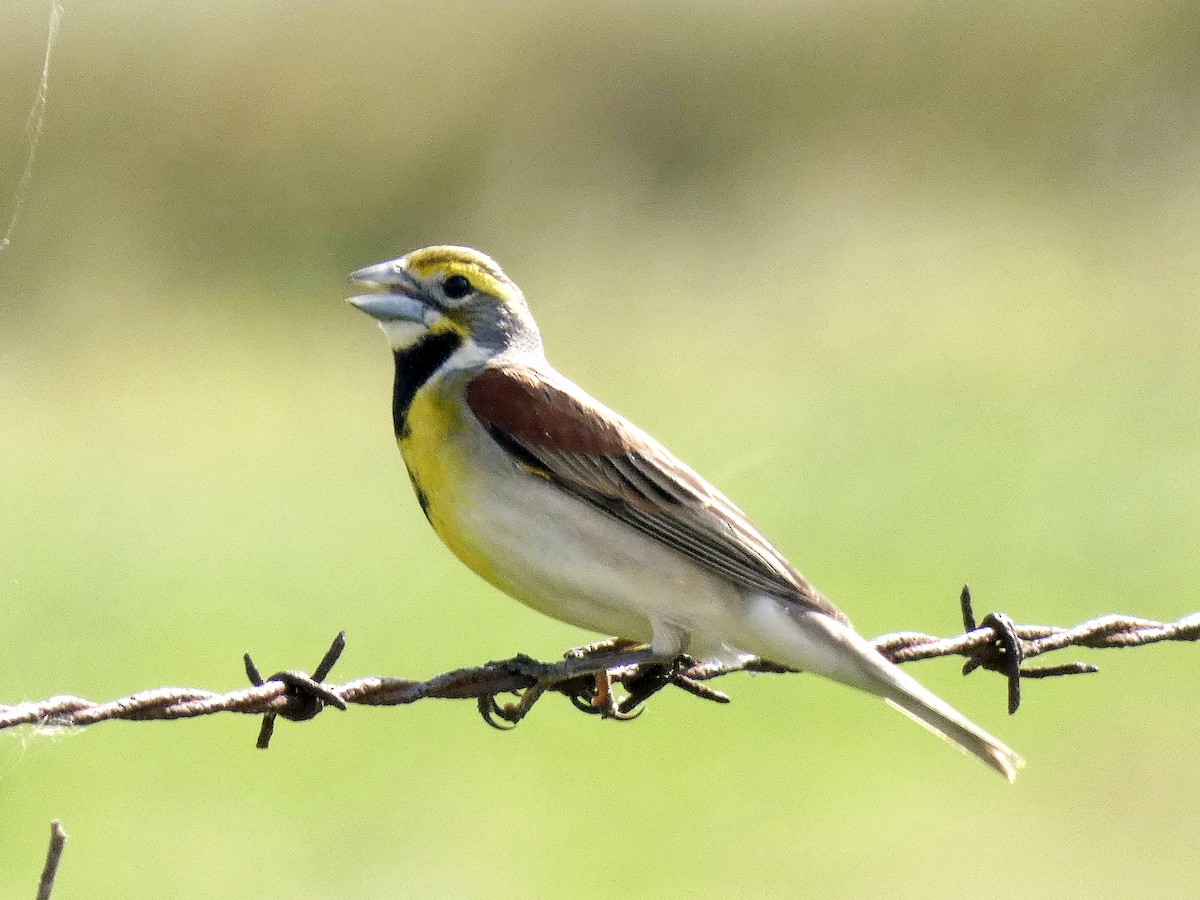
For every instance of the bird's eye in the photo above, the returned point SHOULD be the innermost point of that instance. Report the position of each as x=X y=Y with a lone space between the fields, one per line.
x=457 y=287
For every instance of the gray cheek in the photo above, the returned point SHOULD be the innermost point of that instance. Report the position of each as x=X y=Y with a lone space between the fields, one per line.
x=499 y=328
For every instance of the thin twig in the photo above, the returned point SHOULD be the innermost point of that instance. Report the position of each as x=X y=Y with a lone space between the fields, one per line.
x=297 y=696
x=58 y=840
x=34 y=125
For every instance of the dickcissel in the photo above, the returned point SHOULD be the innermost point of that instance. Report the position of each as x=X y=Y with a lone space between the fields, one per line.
x=576 y=512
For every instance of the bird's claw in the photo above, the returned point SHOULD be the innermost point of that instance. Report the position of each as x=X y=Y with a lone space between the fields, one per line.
x=599 y=700
x=605 y=702
x=489 y=709
x=506 y=716
x=584 y=703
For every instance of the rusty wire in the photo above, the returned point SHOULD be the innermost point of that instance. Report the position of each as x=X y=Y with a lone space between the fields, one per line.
x=585 y=676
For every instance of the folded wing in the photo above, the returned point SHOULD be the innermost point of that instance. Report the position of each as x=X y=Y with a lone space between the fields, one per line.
x=559 y=433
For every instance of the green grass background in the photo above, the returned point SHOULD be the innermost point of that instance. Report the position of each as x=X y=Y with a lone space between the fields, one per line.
x=915 y=284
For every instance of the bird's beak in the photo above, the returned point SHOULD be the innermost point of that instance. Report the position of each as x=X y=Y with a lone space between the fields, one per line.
x=397 y=302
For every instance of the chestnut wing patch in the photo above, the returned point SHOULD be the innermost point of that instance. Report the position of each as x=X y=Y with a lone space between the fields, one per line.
x=530 y=409
x=551 y=428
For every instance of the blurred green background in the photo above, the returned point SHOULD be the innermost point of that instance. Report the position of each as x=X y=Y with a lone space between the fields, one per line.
x=914 y=283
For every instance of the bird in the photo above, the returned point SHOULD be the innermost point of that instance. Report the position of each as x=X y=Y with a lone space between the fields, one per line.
x=570 y=508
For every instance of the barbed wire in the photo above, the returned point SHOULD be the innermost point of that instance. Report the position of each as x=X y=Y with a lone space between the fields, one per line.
x=586 y=676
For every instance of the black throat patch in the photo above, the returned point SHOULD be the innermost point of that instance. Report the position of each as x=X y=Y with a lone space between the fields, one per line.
x=414 y=367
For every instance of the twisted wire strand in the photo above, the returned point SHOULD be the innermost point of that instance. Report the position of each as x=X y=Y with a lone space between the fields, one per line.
x=280 y=695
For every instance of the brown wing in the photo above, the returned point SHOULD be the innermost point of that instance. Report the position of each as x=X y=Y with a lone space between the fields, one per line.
x=554 y=429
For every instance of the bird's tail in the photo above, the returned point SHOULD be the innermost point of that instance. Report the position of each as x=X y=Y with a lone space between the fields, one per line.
x=817 y=643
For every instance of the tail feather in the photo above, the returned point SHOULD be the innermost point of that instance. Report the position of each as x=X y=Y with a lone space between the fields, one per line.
x=960 y=731
x=817 y=643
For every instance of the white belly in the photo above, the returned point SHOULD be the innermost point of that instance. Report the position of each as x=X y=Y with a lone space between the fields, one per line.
x=557 y=554
x=568 y=560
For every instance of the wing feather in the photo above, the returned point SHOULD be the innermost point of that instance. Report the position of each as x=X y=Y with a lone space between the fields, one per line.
x=548 y=425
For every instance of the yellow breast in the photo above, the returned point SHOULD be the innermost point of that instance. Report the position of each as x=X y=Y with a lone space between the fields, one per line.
x=433 y=446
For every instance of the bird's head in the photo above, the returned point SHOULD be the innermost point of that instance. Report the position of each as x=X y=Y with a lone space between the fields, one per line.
x=446 y=291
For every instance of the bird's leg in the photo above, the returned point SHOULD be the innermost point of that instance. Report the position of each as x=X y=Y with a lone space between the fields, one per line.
x=666 y=660
x=602 y=702
x=605 y=702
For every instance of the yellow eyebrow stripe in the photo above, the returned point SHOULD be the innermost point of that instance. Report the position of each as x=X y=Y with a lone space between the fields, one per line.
x=483 y=274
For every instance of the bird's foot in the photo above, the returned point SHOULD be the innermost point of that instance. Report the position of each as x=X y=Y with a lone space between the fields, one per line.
x=652 y=678
x=610 y=645
x=647 y=679
x=605 y=702
x=505 y=716
x=599 y=699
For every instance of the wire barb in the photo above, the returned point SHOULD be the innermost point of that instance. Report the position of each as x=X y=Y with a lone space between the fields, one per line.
x=1005 y=653
x=305 y=695
x=996 y=643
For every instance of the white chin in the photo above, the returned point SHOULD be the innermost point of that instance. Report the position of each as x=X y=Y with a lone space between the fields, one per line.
x=402 y=335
